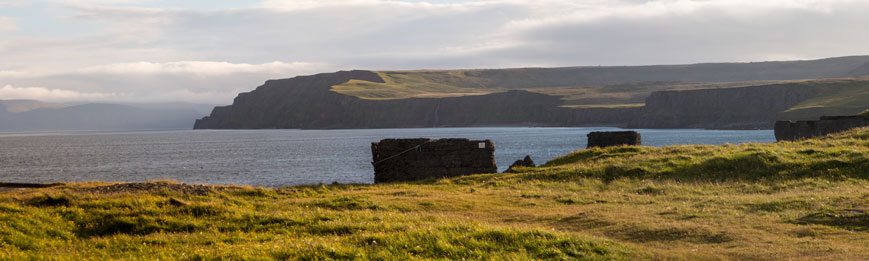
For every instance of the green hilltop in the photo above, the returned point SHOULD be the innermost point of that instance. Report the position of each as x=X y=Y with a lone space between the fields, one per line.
x=840 y=96
x=840 y=83
x=787 y=200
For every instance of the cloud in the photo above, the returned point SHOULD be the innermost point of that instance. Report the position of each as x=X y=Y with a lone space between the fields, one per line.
x=8 y=24
x=9 y=92
x=192 y=81
x=155 y=53
x=12 y=4
x=197 y=68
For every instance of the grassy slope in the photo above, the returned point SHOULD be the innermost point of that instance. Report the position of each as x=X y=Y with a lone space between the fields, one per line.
x=835 y=96
x=807 y=199
x=411 y=84
x=452 y=83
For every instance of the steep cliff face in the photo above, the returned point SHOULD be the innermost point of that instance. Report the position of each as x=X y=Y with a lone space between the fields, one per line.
x=746 y=107
x=306 y=102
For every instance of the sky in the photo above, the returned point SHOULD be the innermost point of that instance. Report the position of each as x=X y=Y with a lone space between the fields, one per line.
x=207 y=51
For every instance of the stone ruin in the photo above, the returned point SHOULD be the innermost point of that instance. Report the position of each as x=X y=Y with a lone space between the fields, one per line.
x=526 y=162
x=613 y=138
x=790 y=130
x=417 y=159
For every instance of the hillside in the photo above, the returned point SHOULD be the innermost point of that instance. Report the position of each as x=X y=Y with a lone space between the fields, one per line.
x=785 y=200
x=367 y=99
x=582 y=85
x=94 y=116
x=15 y=106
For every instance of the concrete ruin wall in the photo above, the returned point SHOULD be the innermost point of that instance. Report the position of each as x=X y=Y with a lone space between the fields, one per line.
x=613 y=138
x=790 y=130
x=416 y=159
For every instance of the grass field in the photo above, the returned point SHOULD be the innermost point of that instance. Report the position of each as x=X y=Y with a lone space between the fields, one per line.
x=788 y=200
x=834 y=96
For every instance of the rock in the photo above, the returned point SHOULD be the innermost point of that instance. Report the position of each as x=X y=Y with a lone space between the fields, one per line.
x=526 y=162
x=417 y=159
x=613 y=138
x=790 y=130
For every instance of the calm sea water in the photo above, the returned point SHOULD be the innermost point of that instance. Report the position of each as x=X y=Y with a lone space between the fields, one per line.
x=278 y=157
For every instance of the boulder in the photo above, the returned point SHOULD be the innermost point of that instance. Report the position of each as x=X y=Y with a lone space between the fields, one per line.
x=526 y=162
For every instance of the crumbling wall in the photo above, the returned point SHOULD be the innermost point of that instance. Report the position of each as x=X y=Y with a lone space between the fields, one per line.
x=416 y=159
x=790 y=130
x=613 y=138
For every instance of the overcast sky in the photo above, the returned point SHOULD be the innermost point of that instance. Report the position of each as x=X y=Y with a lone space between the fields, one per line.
x=207 y=51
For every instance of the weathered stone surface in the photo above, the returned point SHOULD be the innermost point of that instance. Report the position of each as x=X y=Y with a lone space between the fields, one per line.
x=416 y=159
x=613 y=138
x=526 y=162
x=797 y=130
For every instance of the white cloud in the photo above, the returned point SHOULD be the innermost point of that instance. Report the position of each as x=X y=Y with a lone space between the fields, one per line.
x=192 y=81
x=12 y=4
x=198 y=68
x=7 y=74
x=9 y=92
x=8 y=24
x=161 y=53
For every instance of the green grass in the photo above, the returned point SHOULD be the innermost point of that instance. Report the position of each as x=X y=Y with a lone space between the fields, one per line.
x=807 y=199
x=417 y=84
x=833 y=97
x=846 y=96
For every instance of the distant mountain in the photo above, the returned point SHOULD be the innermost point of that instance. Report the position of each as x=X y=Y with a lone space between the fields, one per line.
x=27 y=105
x=711 y=95
x=96 y=116
x=203 y=109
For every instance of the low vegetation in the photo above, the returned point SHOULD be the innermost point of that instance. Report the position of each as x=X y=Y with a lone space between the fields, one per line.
x=454 y=83
x=789 y=200
x=832 y=97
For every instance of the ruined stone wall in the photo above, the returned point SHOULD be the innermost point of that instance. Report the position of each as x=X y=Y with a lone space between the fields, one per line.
x=790 y=130
x=416 y=159
x=613 y=138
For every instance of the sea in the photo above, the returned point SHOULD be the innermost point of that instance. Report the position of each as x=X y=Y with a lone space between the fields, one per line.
x=277 y=158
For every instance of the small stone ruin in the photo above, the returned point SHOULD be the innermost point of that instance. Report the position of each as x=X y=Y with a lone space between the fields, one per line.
x=526 y=162
x=613 y=138
x=790 y=130
x=417 y=159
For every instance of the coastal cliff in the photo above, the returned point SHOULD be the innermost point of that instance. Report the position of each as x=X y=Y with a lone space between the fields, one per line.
x=306 y=102
x=311 y=102
x=754 y=107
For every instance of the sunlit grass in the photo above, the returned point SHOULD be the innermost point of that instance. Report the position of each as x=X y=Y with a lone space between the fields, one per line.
x=789 y=200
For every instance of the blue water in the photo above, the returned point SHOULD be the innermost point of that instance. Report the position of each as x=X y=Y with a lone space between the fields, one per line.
x=277 y=158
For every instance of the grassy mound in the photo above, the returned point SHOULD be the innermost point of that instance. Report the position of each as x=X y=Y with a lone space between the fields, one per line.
x=787 y=200
x=837 y=157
